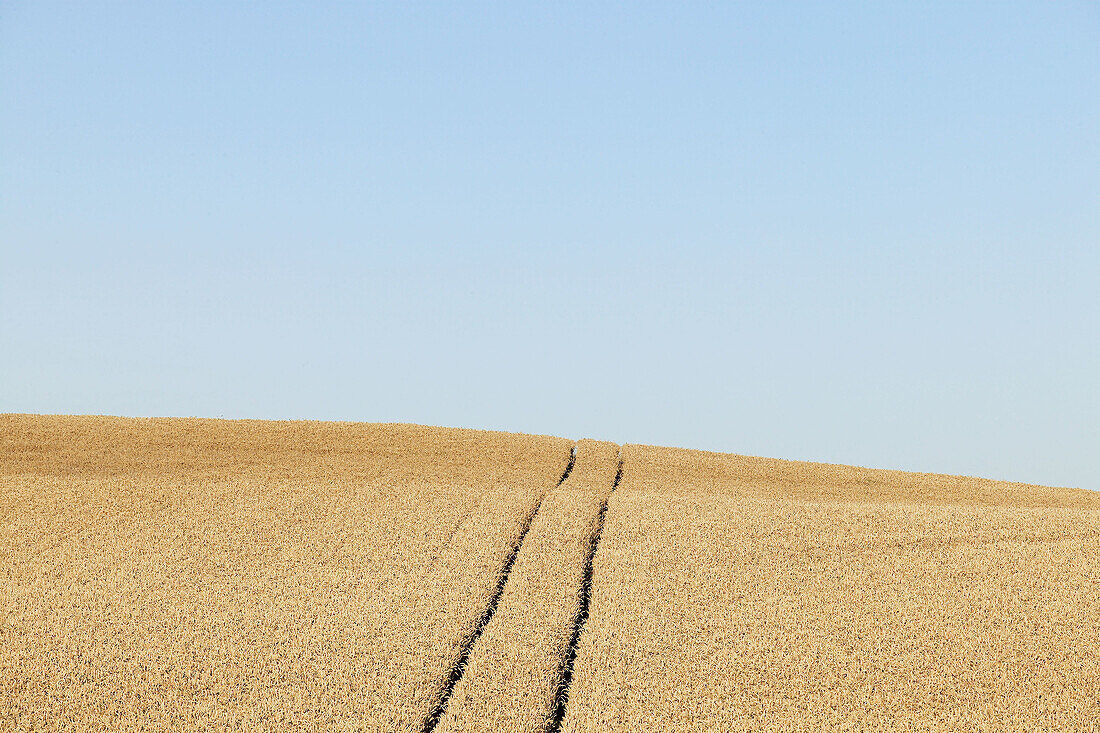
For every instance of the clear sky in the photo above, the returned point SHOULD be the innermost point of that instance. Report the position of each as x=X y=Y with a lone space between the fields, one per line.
x=862 y=233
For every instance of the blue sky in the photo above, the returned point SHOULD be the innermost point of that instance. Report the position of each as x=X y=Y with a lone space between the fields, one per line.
x=862 y=233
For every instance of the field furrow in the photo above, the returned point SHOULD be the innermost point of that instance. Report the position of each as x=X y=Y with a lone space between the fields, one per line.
x=514 y=674
x=471 y=638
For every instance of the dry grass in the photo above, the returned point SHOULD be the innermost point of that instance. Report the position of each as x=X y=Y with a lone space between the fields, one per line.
x=213 y=575
x=736 y=593
x=186 y=574
x=512 y=679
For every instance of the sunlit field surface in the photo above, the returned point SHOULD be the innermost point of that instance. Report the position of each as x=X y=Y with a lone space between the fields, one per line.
x=184 y=574
x=737 y=593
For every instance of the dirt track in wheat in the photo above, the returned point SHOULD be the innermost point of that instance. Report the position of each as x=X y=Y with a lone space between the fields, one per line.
x=183 y=574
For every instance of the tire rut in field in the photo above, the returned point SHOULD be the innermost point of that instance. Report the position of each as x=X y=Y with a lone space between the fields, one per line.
x=467 y=647
x=582 y=613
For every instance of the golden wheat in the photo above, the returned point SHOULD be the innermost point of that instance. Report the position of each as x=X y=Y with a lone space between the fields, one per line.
x=174 y=574
x=735 y=593
x=185 y=574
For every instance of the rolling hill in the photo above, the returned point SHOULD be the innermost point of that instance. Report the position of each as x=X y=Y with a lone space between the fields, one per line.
x=191 y=574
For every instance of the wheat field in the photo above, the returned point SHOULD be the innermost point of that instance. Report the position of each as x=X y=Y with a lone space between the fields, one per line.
x=186 y=574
